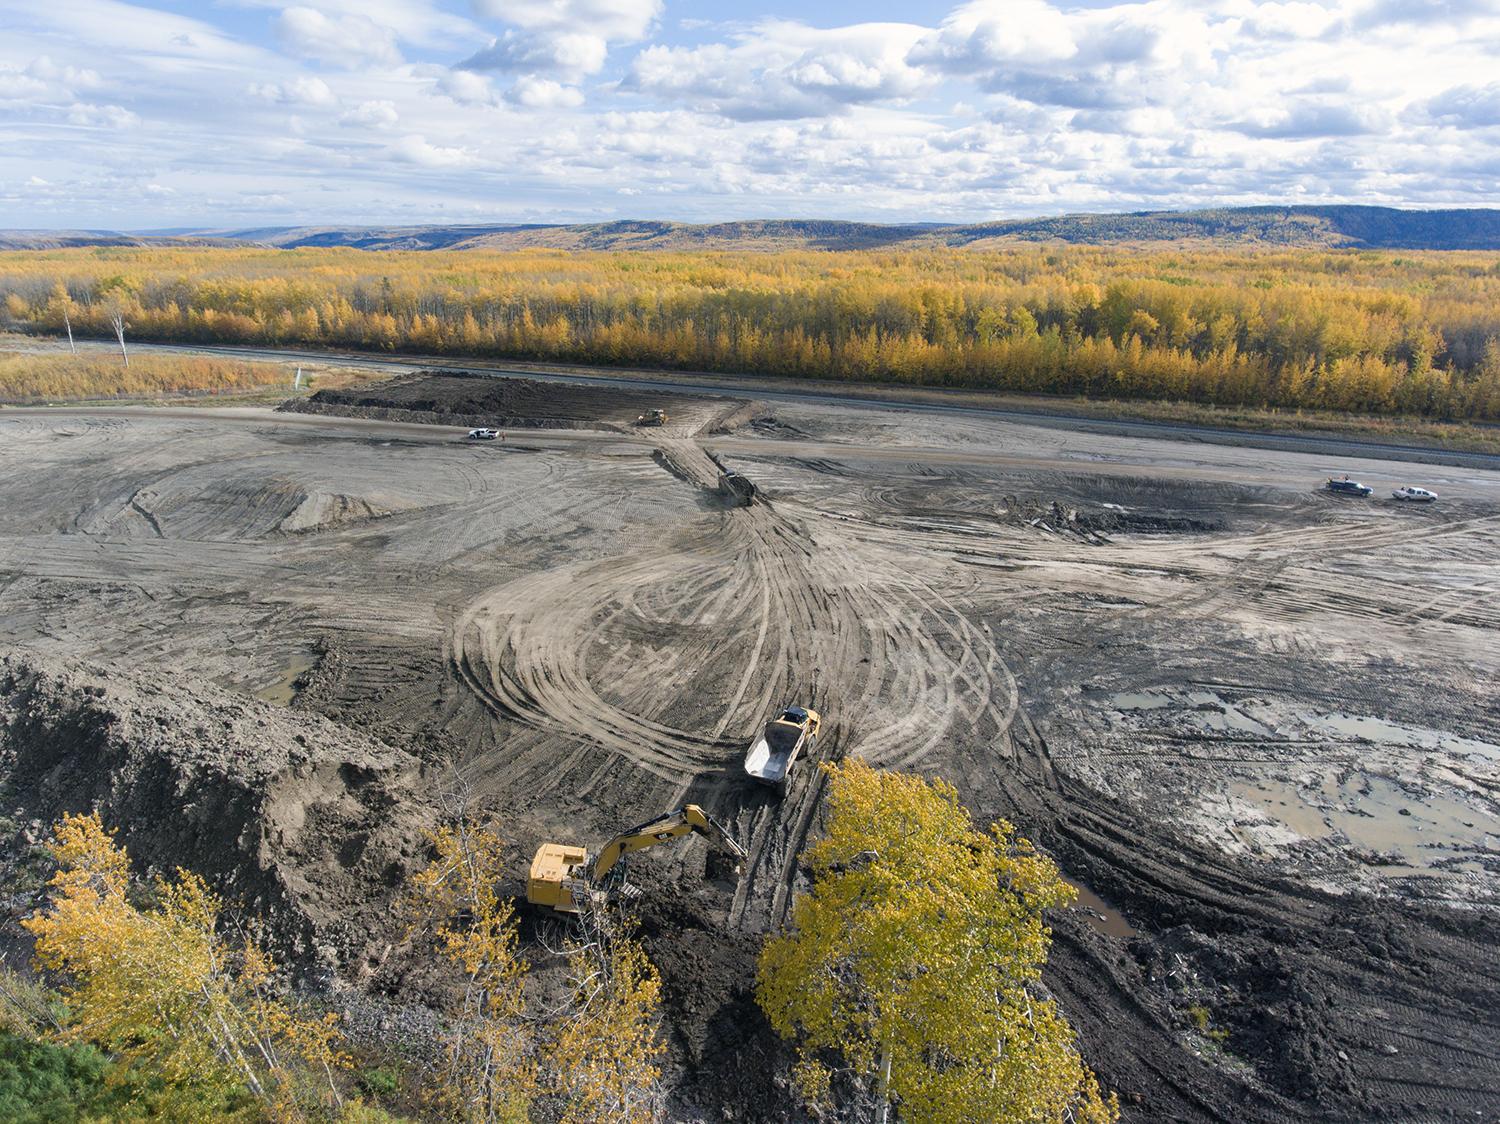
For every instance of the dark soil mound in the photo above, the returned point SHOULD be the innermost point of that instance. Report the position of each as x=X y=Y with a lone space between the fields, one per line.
x=469 y=398
x=304 y=823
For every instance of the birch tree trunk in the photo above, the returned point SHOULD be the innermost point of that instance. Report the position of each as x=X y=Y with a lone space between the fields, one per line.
x=118 y=320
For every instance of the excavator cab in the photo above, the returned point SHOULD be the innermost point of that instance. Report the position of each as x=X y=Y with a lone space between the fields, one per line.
x=562 y=878
x=556 y=871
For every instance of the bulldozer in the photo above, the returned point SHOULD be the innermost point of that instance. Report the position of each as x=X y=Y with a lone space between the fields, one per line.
x=652 y=417
x=563 y=878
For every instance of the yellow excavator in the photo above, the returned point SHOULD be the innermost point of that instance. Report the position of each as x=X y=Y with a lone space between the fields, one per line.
x=563 y=878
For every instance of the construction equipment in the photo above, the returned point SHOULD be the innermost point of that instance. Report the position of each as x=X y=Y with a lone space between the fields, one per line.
x=785 y=738
x=652 y=417
x=563 y=878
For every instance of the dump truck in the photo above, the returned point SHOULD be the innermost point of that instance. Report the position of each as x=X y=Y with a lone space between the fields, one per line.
x=652 y=417
x=563 y=878
x=793 y=732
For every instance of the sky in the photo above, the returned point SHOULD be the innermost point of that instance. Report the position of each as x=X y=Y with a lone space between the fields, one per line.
x=244 y=113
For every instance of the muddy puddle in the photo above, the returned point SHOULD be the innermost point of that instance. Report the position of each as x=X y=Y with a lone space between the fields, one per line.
x=1402 y=799
x=1099 y=913
x=283 y=690
x=1208 y=710
x=1376 y=814
x=1276 y=718
x=1380 y=732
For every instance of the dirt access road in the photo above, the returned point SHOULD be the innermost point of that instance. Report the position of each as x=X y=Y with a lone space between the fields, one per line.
x=1257 y=723
x=878 y=397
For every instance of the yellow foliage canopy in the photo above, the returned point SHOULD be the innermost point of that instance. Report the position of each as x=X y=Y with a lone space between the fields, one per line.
x=490 y=1072
x=160 y=989
x=913 y=957
x=54 y=377
x=1345 y=331
x=605 y=1055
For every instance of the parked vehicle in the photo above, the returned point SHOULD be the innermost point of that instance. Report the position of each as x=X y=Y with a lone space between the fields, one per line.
x=1408 y=494
x=1347 y=487
x=483 y=434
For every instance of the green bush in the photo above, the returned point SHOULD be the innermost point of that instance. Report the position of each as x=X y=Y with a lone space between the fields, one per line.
x=41 y=1083
x=380 y=1081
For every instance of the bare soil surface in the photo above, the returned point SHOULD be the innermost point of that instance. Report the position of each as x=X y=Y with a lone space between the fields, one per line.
x=1256 y=723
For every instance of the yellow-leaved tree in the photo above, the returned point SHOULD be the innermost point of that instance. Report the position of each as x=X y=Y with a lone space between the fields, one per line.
x=913 y=961
x=490 y=1073
x=604 y=1057
x=161 y=989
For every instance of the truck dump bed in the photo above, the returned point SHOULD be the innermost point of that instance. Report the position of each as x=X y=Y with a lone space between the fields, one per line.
x=772 y=755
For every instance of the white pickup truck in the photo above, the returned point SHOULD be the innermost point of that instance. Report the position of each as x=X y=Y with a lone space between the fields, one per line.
x=483 y=434
x=785 y=738
x=1414 y=495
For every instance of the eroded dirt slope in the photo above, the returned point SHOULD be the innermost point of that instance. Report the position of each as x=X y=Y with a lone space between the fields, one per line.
x=306 y=824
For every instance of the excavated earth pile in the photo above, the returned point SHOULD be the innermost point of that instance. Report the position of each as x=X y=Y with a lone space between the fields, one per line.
x=306 y=824
x=474 y=399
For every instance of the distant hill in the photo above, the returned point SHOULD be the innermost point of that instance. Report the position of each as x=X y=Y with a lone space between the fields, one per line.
x=1384 y=228
x=764 y=234
x=62 y=239
x=1335 y=226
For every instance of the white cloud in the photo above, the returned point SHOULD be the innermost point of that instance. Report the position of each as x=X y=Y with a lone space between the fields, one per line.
x=43 y=78
x=371 y=115
x=615 y=20
x=554 y=44
x=1467 y=106
x=466 y=87
x=350 y=40
x=571 y=53
x=303 y=90
x=101 y=116
x=16 y=84
x=783 y=69
x=977 y=36
x=1299 y=19
x=420 y=22
x=543 y=93
x=1307 y=119
x=415 y=149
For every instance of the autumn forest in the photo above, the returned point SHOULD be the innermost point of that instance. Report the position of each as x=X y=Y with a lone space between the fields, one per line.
x=1414 y=334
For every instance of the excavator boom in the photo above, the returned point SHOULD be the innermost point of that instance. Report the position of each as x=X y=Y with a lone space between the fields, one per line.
x=559 y=874
x=687 y=820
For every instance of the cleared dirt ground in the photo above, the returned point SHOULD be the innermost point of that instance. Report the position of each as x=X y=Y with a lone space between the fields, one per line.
x=1257 y=724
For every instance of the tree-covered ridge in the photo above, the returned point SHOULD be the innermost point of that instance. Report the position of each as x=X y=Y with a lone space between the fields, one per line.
x=1301 y=226
x=1369 y=332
